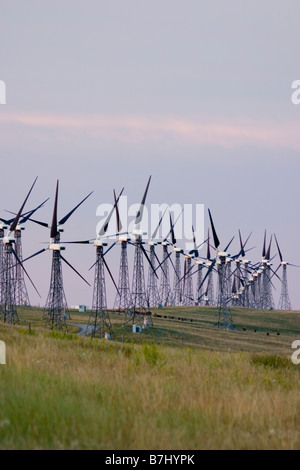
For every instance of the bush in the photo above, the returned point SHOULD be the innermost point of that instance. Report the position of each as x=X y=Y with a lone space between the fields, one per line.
x=272 y=361
x=151 y=354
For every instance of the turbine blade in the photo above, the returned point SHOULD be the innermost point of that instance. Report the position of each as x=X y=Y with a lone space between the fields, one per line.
x=208 y=246
x=184 y=275
x=64 y=219
x=242 y=252
x=190 y=269
x=81 y=242
x=111 y=276
x=16 y=219
x=264 y=246
x=35 y=254
x=6 y=222
x=211 y=267
x=229 y=244
x=54 y=232
x=43 y=224
x=104 y=228
x=93 y=265
x=148 y=259
x=233 y=289
x=215 y=236
x=268 y=254
x=110 y=248
x=21 y=264
x=162 y=262
x=172 y=231
x=168 y=234
x=279 y=252
x=139 y=215
x=195 y=251
x=27 y=215
x=159 y=223
x=67 y=262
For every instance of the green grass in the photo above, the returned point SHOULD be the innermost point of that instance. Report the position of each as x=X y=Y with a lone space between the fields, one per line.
x=193 y=388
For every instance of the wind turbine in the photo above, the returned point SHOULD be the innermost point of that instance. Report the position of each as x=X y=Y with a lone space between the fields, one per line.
x=187 y=291
x=165 y=284
x=200 y=265
x=56 y=303
x=223 y=317
x=8 y=312
x=284 y=300
x=266 y=294
x=138 y=292
x=99 y=321
x=22 y=297
x=153 y=291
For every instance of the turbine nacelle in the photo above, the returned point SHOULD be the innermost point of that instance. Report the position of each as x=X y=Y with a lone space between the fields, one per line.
x=122 y=238
x=99 y=242
x=8 y=239
x=138 y=233
x=19 y=228
x=56 y=247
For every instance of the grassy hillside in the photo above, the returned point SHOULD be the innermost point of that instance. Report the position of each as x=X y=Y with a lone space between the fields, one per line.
x=188 y=390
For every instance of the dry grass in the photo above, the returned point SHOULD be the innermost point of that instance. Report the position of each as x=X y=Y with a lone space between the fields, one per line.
x=66 y=392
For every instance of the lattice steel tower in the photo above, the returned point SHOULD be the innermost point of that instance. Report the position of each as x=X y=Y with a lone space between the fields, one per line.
x=2 y=228
x=8 y=312
x=237 y=283
x=123 y=300
x=22 y=297
x=8 y=301
x=266 y=294
x=199 y=290
x=209 y=298
x=165 y=285
x=245 y=296
x=188 y=294
x=223 y=316
x=153 y=292
x=99 y=321
x=284 y=301
x=139 y=296
x=177 y=284
x=56 y=303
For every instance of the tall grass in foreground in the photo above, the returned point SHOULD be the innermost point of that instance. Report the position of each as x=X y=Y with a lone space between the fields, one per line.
x=59 y=392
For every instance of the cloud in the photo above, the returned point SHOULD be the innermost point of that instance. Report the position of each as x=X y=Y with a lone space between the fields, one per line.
x=194 y=130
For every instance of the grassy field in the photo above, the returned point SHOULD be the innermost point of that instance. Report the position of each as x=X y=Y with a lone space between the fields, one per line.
x=181 y=385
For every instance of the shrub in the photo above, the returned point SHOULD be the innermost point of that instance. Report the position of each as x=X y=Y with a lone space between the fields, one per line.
x=272 y=361
x=151 y=354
